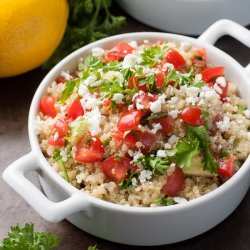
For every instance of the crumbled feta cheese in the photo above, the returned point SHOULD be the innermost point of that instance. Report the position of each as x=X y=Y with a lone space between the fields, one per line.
x=174 y=113
x=98 y=52
x=138 y=104
x=118 y=98
x=191 y=100
x=156 y=127
x=197 y=78
x=63 y=153
x=173 y=139
x=93 y=119
x=145 y=41
x=83 y=90
x=129 y=60
x=112 y=75
x=217 y=88
x=185 y=46
x=221 y=81
x=66 y=75
x=247 y=113
x=161 y=153
x=162 y=98
x=145 y=175
x=89 y=103
x=56 y=136
x=173 y=100
x=80 y=177
x=137 y=155
x=208 y=93
x=223 y=125
x=166 y=66
x=193 y=91
x=179 y=200
x=131 y=107
x=90 y=80
x=133 y=44
x=134 y=181
x=155 y=107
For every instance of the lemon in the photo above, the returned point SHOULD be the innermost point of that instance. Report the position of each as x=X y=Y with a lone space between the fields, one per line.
x=30 y=31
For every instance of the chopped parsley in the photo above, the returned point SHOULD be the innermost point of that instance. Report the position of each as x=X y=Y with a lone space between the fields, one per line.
x=165 y=201
x=126 y=183
x=68 y=90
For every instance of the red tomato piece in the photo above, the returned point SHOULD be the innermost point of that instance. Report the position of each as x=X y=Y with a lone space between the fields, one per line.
x=159 y=79
x=129 y=120
x=167 y=124
x=62 y=127
x=227 y=167
x=60 y=79
x=118 y=52
x=107 y=103
x=129 y=139
x=175 y=183
x=145 y=99
x=47 y=106
x=75 y=109
x=192 y=115
x=58 y=142
x=217 y=118
x=210 y=73
x=116 y=168
x=133 y=82
x=89 y=149
x=174 y=57
x=147 y=139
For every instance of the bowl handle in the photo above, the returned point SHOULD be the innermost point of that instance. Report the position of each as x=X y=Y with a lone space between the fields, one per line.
x=227 y=27
x=49 y=210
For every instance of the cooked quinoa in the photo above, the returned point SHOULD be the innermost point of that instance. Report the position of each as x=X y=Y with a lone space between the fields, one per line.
x=144 y=125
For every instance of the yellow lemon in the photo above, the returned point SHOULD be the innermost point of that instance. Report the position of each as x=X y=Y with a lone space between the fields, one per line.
x=30 y=31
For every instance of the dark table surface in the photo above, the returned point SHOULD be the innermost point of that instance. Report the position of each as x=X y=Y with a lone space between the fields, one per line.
x=15 y=97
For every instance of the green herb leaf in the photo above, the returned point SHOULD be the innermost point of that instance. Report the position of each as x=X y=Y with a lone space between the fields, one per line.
x=68 y=90
x=93 y=247
x=126 y=183
x=25 y=238
x=165 y=201
x=154 y=163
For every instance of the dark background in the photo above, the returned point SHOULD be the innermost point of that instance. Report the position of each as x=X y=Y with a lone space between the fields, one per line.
x=15 y=97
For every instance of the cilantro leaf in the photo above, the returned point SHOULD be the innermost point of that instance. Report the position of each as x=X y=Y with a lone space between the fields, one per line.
x=165 y=201
x=68 y=90
x=200 y=132
x=154 y=163
x=126 y=183
x=185 y=151
x=25 y=238
x=93 y=247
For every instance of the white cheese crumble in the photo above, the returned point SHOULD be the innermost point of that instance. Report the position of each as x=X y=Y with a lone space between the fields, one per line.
x=155 y=107
x=192 y=91
x=134 y=181
x=144 y=176
x=137 y=155
x=167 y=146
x=174 y=113
x=173 y=139
x=179 y=200
x=129 y=60
x=66 y=75
x=83 y=90
x=168 y=66
x=112 y=75
x=197 y=78
x=98 y=52
x=221 y=81
x=93 y=119
x=133 y=44
x=223 y=125
x=89 y=102
x=162 y=98
x=217 y=88
x=118 y=98
x=161 y=153
x=156 y=127
x=80 y=177
x=90 y=80
x=247 y=113
x=56 y=136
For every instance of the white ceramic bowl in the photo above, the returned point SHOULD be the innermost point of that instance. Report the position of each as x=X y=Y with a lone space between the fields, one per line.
x=186 y=16
x=133 y=225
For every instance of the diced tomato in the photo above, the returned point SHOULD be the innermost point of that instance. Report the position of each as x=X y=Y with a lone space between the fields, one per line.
x=60 y=79
x=211 y=73
x=129 y=120
x=174 y=57
x=47 y=106
x=75 y=109
x=227 y=167
x=133 y=82
x=145 y=99
x=147 y=139
x=175 y=183
x=58 y=142
x=167 y=124
x=89 y=149
x=62 y=127
x=192 y=115
x=159 y=79
x=118 y=52
x=116 y=168
x=199 y=59
x=129 y=139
